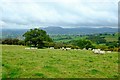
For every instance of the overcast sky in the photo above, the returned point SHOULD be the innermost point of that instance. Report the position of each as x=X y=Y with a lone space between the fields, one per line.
x=64 y=13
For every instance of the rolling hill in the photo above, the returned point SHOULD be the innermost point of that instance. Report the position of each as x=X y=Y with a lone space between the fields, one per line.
x=54 y=30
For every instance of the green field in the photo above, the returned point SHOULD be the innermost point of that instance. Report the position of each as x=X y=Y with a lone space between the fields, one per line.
x=67 y=38
x=17 y=62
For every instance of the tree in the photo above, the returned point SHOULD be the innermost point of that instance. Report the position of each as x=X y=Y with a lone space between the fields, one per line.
x=7 y=41
x=82 y=43
x=10 y=41
x=97 y=39
x=21 y=42
x=85 y=44
x=15 y=41
x=35 y=37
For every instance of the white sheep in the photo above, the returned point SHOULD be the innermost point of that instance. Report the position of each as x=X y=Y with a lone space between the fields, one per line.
x=31 y=48
x=62 y=48
x=84 y=49
x=109 y=51
x=93 y=50
x=101 y=52
x=75 y=49
x=68 y=48
x=27 y=48
x=98 y=51
x=89 y=48
x=51 y=47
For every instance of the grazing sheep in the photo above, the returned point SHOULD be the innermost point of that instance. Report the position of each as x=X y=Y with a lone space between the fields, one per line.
x=27 y=48
x=65 y=48
x=51 y=47
x=68 y=48
x=75 y=49
x=93 y=50
x=101 y=52
x=109 y=51
x=31 y=48
x=89 y=48
x=98 y=51
x=84 y=49
x=62 y=48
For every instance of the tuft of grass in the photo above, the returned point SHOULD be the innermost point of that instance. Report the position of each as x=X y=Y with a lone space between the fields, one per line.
x=51 y=68
x=14 y=73
x=40 y=75
x=94 y=71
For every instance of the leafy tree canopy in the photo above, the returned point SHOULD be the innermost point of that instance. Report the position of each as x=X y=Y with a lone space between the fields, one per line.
x=82 y=43
x=36 y=37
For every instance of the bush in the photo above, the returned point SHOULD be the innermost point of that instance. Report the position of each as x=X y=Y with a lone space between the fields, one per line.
x=103 y=47
x=10 y=41
x=20 y=42
x=97 y=39
x=84 y=44
x=48 y=44
x=58 y=45
x=71 y=46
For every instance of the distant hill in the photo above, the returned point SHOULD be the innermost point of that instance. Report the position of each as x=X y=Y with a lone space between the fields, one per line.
x=52 y=30
x=60 y=30
x=13 y=33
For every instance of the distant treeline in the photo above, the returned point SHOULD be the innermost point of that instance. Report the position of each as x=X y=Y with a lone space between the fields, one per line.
x=39 y=38
x=74 y=44
x=12 y=41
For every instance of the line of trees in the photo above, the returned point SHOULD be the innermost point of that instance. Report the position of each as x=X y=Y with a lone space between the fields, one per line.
x=82 y=43
x=11 y=41
x=97 y=39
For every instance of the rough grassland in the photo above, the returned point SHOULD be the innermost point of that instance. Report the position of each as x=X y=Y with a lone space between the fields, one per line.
x=47 y=63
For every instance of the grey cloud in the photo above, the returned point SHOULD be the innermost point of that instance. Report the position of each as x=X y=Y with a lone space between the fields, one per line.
x=79 y=13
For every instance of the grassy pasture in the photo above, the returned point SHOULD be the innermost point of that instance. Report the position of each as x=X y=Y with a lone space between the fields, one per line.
x=47 y=63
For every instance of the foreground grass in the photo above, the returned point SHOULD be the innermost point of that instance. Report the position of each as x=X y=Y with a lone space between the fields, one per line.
x=46 y=63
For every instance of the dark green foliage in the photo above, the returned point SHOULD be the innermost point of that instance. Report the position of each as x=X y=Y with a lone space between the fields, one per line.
x=15 y=41
x=48 y=44
x=10 y=41
x=73 y=46
x=21 y=42
x=119 y=41
x=112 y=44
x=94 y=72
x=82 y=43
x=97 y=39
x=36 y=37
x=102 y=47
x=7 y=41
x=41 y=75
x=59 y=45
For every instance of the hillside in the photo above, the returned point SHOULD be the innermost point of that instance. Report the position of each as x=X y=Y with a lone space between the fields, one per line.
x=80 y=30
